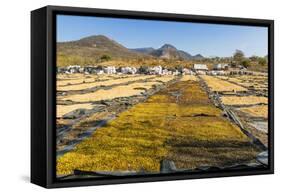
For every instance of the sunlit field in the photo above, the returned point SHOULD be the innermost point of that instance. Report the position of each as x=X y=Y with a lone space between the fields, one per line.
x=219 y=85
x=178 y=123
x=249 y=104
x=256 y=111
x=166 y=98
x=244 y=100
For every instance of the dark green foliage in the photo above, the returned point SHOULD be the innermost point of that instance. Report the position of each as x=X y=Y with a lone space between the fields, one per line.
x=143 y=69
x=238 y=57
x=105 y=58
x=262 y=61
x=246 y=63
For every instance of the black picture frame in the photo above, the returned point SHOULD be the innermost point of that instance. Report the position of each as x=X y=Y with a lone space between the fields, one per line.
x=43 y=94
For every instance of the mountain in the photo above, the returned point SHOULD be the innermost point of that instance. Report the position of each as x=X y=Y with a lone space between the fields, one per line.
x=167 y=47
x=95 y=47
x=168 y=51
x=198 y=57
x=147 y=50
x=185 y=55
x=92 y=49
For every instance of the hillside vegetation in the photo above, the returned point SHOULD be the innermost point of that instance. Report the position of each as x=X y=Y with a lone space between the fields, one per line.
x=100 y=50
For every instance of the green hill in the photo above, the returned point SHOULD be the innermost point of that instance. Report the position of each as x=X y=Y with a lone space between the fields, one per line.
x=91 y=50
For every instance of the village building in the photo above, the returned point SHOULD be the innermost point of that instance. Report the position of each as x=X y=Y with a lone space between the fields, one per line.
x=186 y=71
x=89 y=70
x=176 y=72
x=220 y=66
x=166 y=72
x=128 y=70
x=200 y=67
x=157 y=70
x=217 y=72
x=110 y=70
x=100 y=72
x=73 y=69
x=240 y=72
x=81 y=70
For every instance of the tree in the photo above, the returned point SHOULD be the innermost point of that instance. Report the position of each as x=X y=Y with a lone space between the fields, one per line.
x=254 y=58
x=179 y=68
x=105 y=58
x=238 y=56
x=99 y=67
x=246 y=63
x=143 y=70
x=262 y=61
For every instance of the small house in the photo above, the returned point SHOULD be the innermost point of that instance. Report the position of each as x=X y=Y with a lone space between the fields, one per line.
x=110 y=70
x=200 y=67
x=157 y=70
x=220 y=66
x=128 y=70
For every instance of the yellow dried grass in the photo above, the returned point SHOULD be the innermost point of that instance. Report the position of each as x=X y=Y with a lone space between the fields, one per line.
x=84 y=86
x=220 y=85
x=64 y=109
x=189 y=78
x=243 y=100
x=116 y=92
x=256 y=111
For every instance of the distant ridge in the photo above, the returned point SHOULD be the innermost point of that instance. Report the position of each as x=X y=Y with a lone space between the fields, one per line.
x=147 y=50
x=95 y=47
x=168 y=51
x=92 y=48
x=198 y=56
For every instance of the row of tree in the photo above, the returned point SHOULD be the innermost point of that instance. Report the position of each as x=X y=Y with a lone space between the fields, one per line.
x=240 y=59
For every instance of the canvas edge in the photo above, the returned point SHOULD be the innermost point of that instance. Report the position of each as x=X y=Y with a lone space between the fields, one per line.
x=50 y=105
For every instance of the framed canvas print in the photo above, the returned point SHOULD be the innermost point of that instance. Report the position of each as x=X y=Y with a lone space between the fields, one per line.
x=125 y=96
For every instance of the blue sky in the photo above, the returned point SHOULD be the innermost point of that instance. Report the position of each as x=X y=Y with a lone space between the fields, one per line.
x=206 y=39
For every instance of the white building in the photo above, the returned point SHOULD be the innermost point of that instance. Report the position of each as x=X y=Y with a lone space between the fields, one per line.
x=81 y=70
x=220 y=66
x=186 y=71
x=73 y=69
x=100 y=72
x=157 y=70
x=200 y=72
x=200 y=67
x=217 y=72
x=128 y=70
x=176 y=72
x=166 y=72
x=110 y=70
